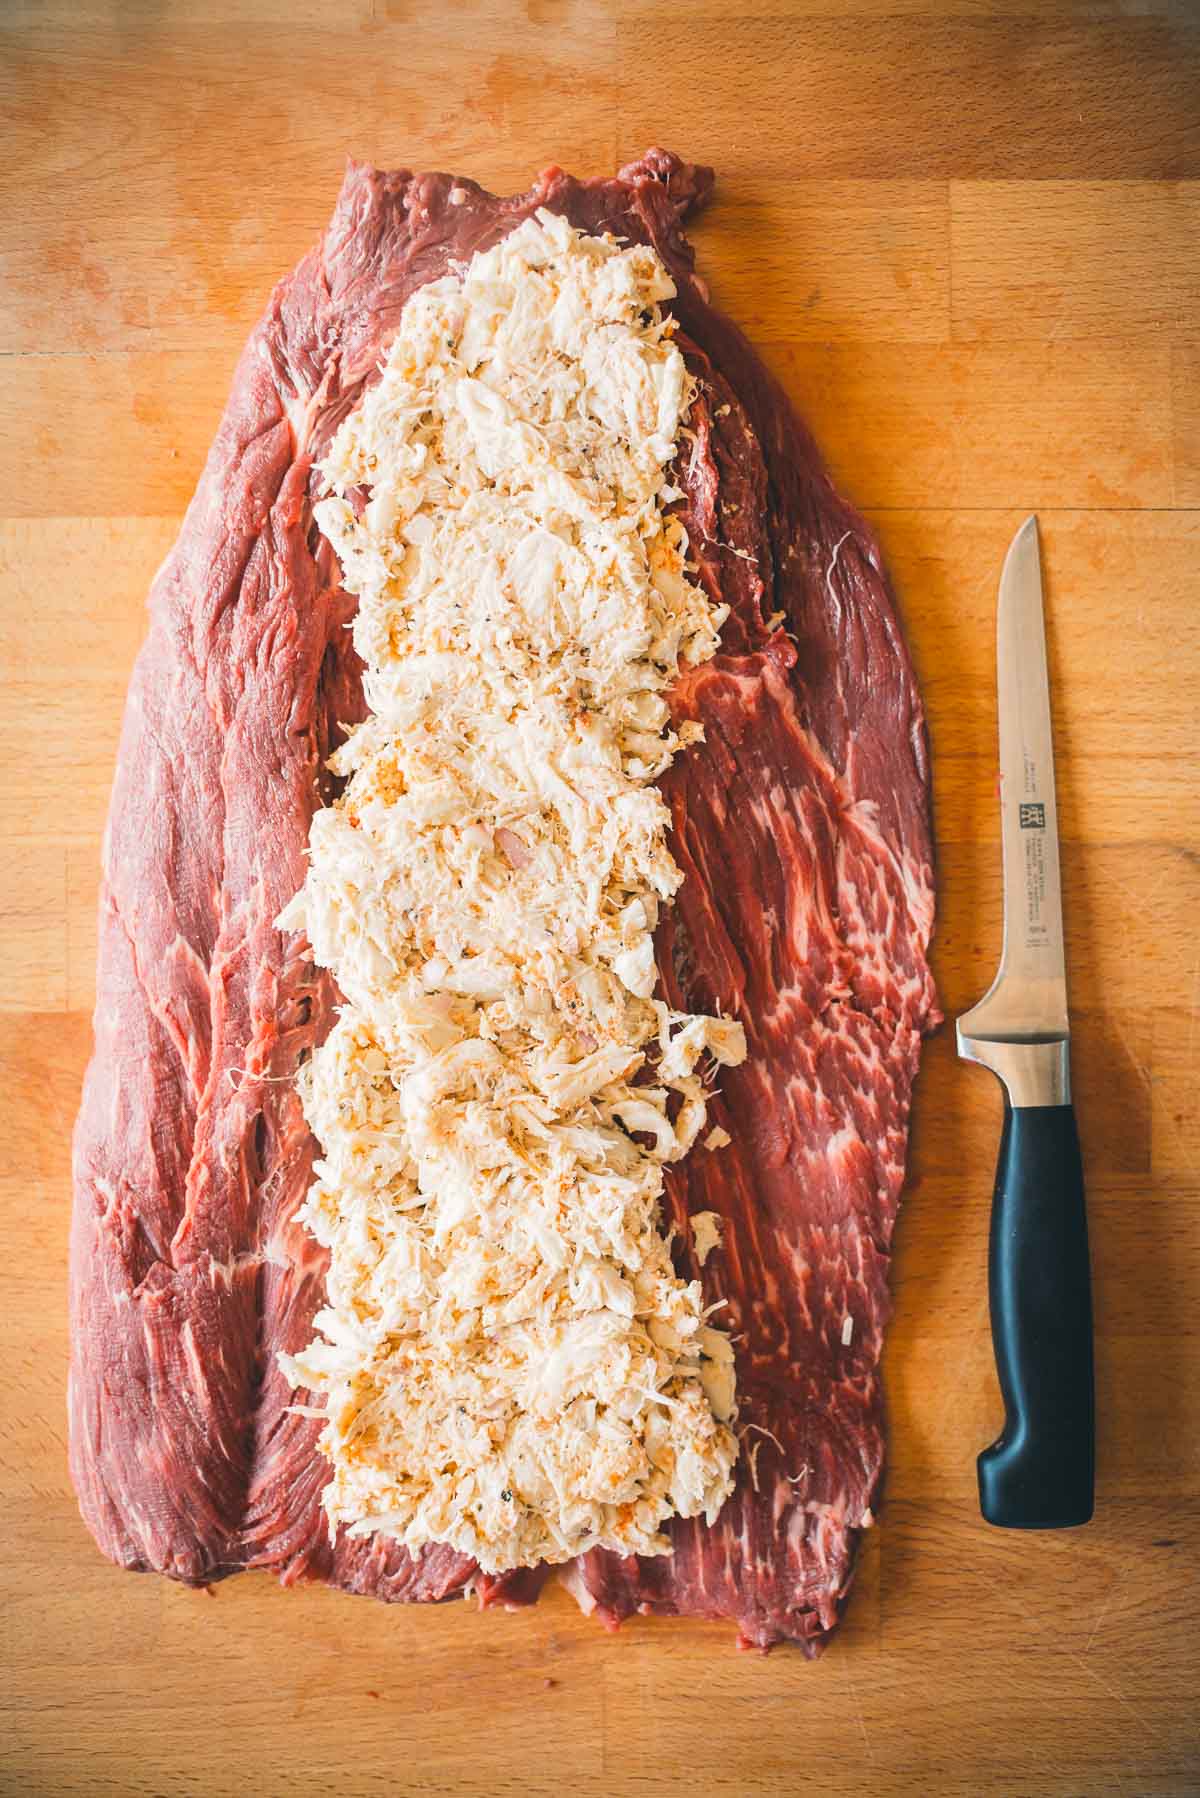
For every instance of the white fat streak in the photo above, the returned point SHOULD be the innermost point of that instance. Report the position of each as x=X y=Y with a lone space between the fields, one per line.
x=829 y=573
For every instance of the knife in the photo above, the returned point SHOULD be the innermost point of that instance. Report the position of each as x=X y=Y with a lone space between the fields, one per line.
x=1039 y=1473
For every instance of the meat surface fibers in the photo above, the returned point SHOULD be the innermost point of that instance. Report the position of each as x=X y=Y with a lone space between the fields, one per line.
x=801 y=824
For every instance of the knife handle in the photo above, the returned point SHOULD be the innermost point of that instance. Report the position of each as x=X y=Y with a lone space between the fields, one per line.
x=1039 y=1473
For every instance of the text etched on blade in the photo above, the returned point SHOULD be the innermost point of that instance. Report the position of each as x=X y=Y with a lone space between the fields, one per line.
x=1031 y=816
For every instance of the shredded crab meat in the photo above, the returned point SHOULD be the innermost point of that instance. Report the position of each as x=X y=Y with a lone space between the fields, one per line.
x=507 y=1360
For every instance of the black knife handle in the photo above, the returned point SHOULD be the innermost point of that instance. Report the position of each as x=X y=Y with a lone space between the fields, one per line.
x=1039 y=1473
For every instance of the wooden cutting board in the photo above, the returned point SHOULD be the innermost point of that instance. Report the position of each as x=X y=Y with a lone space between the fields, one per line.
x=970 y=244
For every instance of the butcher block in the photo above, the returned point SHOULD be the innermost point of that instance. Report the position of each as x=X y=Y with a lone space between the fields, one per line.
x=967 y=239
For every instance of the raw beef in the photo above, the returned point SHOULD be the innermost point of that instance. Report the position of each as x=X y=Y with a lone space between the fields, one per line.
x=802 y=826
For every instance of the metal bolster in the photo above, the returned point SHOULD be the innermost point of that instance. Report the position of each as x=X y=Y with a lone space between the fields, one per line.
x=1032 y=1073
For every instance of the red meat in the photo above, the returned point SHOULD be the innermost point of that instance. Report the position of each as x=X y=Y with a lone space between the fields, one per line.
x=801 y=824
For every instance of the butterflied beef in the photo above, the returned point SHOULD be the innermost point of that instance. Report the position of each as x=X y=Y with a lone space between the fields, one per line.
x=800 y=821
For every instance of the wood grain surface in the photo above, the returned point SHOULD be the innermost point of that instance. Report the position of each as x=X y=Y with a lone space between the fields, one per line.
x=967 y=236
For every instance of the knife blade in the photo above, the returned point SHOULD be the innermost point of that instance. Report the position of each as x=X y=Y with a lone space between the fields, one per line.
x=1039 y=1473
